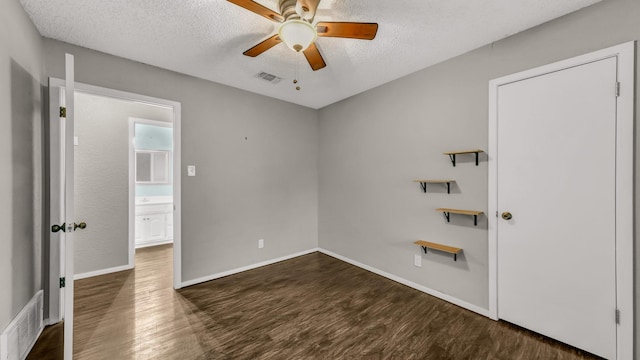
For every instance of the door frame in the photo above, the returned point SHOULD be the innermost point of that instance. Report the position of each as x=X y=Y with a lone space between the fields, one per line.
x=54 y=263
x=625 y=54
x=132 y=181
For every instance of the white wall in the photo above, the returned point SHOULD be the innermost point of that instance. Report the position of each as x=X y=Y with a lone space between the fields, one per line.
x=20 y=159
x=256 y=161
x=102 y=178
x=374 y=144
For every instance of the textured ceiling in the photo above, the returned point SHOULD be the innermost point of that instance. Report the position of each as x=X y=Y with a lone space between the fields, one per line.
x=206 y=38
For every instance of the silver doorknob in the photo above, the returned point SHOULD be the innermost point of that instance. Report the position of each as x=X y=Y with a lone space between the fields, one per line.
x=507 y=215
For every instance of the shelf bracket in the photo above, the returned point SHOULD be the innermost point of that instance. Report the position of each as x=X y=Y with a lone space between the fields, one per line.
x=453 y=159
x=455 y=255
x=423 y=185
x=447 y=214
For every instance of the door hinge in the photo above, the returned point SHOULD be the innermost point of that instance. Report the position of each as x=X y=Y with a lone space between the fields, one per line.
x=63 y=112
x=617 y=316
x=62 y=282
x=617 y=88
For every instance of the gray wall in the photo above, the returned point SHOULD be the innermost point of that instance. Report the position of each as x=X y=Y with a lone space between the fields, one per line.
x=373 y=145
x=256 y=162
x=259 y=170
x=102 y=178
x=20 y=159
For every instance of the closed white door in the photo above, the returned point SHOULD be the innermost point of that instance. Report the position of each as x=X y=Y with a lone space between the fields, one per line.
x=556 y=166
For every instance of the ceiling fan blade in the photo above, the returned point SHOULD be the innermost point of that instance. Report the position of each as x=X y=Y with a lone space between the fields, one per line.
x=351 y=30
x=310 y=7
x=263 y=46
x=314 y=58
x=258 y=9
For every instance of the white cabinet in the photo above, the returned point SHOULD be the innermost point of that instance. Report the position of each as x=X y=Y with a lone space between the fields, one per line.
x=141 y=233
x=157 y=227
x=154 y=224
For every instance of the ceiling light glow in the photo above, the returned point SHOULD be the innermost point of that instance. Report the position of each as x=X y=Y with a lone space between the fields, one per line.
x=297 y=34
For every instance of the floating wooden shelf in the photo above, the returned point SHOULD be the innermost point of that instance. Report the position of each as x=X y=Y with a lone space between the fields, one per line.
x=435 y=246
x=423 y=184
x=447 y=213
x=452 y=155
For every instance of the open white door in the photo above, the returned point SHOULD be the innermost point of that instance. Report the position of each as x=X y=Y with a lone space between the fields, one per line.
x=56 y=200
x=61 y=191
x=69 y=207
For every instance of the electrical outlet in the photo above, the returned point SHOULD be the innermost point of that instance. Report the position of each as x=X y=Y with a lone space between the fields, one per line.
x=417 y=260
x=191 y=170
x=260 y=243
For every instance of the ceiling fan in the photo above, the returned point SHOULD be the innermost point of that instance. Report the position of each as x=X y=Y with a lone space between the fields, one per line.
x=299 y=32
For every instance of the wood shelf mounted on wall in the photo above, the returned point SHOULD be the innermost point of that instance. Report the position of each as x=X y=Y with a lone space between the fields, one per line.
x=435 y=246
x=447 y=214
x=452 y=155
x=423 y=184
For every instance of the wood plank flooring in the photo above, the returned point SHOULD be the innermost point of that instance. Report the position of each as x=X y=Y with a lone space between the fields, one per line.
x=310 y=307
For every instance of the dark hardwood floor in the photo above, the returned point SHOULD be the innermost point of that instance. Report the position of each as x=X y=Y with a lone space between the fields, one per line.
x=310 y=307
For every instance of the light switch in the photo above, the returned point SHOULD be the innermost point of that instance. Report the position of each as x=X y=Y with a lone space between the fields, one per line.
x=191 y=170
x=75 y=141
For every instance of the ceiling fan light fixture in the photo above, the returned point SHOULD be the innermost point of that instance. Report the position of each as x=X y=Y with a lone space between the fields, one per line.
x=297 y=34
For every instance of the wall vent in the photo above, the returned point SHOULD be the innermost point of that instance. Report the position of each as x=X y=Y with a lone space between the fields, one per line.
x=268 y=77
x=21 y=334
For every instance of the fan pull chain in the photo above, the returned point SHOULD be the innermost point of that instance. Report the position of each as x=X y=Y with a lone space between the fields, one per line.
x=295 y=78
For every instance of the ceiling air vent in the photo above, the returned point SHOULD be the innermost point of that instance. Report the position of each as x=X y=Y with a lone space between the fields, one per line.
x=268 y=77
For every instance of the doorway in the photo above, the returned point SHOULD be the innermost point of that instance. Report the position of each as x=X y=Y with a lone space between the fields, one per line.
x=59 y=266
x=103 y=144
x=561 y=187
x=150 y=177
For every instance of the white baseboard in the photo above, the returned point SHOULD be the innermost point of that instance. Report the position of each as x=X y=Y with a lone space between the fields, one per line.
x=411 y=284
x=245 y=268
x=102 y=272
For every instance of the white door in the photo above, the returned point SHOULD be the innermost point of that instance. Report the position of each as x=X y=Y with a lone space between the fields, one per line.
x=61 y=193
x=556 y=167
